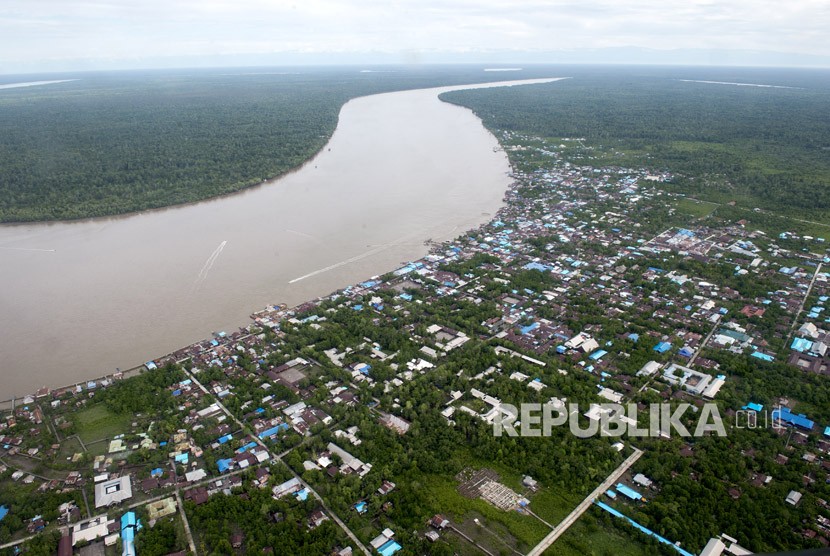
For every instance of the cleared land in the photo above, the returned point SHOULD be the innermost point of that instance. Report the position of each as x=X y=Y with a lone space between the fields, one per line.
x=97 y=423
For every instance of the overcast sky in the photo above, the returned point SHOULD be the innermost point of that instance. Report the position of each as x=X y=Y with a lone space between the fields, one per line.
x=61 y=34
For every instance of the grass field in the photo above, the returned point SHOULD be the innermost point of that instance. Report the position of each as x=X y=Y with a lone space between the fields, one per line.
x=695 y=208
x=589 y=537
x=444 y=495
x=97 y=423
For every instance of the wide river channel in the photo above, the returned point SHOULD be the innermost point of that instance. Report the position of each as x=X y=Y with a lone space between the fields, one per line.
x=79 y=299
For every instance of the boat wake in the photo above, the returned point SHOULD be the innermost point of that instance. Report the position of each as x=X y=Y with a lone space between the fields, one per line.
x=203 y=274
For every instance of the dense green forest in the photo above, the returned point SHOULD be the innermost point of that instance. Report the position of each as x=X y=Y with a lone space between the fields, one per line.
x=766 y=147
x=110 y=143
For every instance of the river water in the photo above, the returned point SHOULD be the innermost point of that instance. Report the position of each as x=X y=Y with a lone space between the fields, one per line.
x=79 y=299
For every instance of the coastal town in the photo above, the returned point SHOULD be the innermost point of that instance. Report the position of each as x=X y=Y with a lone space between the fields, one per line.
x=362 y=422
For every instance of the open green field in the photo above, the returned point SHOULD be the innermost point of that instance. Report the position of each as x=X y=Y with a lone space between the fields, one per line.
x=550 y=504
x=589 y=537
x=502 y=532
x=695 y=208
x=443 y=493
x=97 y=423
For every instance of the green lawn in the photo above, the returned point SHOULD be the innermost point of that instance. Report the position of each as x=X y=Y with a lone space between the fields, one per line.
x=97 y=422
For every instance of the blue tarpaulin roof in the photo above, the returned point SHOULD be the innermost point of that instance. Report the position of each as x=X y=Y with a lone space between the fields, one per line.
x=752 y=406
x=225 y=438
x=223 y=464
x=4 y=511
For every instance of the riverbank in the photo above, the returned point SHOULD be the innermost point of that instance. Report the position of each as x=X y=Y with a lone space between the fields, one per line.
x=92 y=296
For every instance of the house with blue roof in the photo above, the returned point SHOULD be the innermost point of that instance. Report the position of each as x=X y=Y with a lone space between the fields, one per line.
x=784 y=415
x=129 y=526
x=536 y=266
x=271 y=432
x=248 y=446
x=597 y=355
x=389 y=548
x=763 y=356
x=628 y=492
x=686 y=351
x=525 y=330
x=801 y=345
x=662 y=347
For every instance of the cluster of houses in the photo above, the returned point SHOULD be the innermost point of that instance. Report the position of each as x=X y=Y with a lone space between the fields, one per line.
x=580 y=245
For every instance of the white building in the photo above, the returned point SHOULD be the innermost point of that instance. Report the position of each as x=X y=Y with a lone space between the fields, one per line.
x=113 y=491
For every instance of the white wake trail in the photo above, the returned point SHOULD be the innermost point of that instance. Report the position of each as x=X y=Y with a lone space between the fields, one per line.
x=28 y=249
x=210 y=262
x=343 y=263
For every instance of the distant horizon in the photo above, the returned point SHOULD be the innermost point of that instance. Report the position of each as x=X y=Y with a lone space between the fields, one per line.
x=623 y=56
x=72 y=35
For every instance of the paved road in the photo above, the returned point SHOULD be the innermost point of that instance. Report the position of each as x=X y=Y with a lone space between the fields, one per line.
x=585 y=504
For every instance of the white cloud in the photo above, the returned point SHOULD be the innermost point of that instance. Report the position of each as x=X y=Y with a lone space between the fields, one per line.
x=37 y=30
